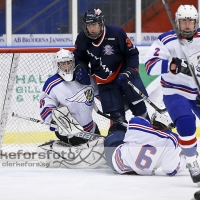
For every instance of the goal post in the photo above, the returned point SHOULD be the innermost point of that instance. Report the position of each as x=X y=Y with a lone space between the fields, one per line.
x=23 y=72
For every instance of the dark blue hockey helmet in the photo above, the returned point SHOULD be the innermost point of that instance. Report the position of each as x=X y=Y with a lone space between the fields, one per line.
x=91 y=17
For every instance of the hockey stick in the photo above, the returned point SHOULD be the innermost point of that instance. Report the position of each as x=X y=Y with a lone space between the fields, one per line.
x=33 y=120
x=83 y=134
x=190 y=65
x=107 y=116
x=145 y=98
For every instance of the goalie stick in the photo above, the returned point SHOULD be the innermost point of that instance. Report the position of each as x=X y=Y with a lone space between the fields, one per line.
x=145 y=98
x=190 y=65
x=83 y=134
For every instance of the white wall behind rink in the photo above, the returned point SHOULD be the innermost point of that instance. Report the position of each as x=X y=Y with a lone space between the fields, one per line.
x=51 y=40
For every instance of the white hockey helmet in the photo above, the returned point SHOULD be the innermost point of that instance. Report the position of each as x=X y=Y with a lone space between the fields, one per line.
x=187 y=12
x=64 y=61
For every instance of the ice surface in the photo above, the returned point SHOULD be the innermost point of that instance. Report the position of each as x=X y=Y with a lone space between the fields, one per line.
x=34 y=183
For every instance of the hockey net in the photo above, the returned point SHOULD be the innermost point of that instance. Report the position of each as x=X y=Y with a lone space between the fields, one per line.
x=22 y=75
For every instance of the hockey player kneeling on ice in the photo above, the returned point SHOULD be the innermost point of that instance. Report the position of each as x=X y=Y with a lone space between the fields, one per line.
x=67 y=105
x=142 y=149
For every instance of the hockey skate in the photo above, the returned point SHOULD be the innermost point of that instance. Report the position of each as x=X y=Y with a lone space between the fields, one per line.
x=194 y=170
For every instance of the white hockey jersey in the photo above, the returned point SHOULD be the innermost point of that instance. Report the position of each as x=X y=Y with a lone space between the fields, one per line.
x=77 y=97
x=146 y=149
x=159 y=57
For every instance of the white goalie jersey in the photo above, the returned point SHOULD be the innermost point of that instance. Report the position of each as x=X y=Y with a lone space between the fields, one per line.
x=160 y=55
x=77 y=97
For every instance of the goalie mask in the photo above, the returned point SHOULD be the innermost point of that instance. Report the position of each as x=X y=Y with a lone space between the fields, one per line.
x=95 y=19
x=64 y=61
x=190 y=14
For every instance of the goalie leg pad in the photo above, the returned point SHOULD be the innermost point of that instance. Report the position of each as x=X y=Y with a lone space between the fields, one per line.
x=60 y=155
x=73 y=140
x=46 y=155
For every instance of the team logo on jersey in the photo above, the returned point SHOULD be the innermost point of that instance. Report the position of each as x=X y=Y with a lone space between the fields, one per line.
x=89 y=97
x=85 y=95
x=108 y=50
x=197 y=67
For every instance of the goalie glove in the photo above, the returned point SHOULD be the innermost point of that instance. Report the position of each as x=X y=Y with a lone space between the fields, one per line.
x=66 y=122
x=161 y=122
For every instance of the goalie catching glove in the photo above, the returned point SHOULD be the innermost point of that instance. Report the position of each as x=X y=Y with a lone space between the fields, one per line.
x=161 y=122
x=66 y=122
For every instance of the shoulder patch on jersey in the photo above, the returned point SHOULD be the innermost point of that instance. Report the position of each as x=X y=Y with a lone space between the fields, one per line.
x=51 y=83
x=198 y=32
x=167 y=37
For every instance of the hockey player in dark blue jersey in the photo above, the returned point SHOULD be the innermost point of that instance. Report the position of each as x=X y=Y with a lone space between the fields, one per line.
x=113 y=62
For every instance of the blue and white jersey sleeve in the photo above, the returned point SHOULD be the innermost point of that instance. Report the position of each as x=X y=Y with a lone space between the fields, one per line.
x=172 y=162
x=47 y=104
x=160 y=54
x=48 y=100
x=157 y=59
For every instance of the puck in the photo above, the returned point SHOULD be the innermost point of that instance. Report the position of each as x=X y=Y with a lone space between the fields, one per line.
x=197 y=195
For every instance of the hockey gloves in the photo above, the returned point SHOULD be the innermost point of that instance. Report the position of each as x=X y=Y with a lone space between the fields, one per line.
x=128 y=75
x=181 y=66
x=82 y=74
